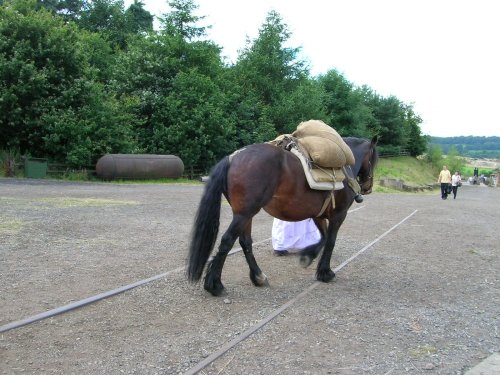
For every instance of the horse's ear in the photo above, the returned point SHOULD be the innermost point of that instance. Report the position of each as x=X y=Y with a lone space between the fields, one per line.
x=374 y=140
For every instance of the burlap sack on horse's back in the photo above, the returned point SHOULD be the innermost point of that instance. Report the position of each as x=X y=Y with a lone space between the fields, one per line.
x=314 y=127
x=323 y=152
x=319 y=129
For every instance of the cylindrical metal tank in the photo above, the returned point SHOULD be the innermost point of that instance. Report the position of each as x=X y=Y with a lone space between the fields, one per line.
x=129 y=166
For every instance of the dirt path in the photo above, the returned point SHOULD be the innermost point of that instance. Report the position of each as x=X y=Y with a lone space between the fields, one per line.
x=423 y=299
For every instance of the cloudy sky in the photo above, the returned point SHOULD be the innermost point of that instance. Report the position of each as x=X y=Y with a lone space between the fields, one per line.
x=442 y=56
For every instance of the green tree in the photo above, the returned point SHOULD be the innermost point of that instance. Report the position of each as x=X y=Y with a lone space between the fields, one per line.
x=106 y=17
x=138 y=19
x=181 y=20
x=453 y=161
x=346 y=111
x=78 y=136
x=273 y=79
x=81 y=78
x=305 y=102
x=370 y=99
x=99 y=55
x=416 y=143
x=68 y=9
x=179 y=85
x=435 y=156
x=390 y=119
x=191 y=121
x=51 y=103
x=39 y=63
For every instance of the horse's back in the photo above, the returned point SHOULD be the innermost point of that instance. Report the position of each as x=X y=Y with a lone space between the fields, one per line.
x=267 y=166
x=266 y=176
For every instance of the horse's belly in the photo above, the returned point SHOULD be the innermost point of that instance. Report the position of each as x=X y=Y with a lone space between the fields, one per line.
x=289 y=209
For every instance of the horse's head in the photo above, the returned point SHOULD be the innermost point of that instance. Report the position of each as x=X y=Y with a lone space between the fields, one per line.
x=366 y=157
x=368 y=162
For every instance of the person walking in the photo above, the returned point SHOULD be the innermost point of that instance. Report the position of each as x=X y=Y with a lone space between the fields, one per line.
x=456 y=181
x=291 y=237
x=444 y=179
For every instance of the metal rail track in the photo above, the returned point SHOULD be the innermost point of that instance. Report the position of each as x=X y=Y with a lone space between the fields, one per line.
x=98 y=297
x=229 y=345
x=243 y=336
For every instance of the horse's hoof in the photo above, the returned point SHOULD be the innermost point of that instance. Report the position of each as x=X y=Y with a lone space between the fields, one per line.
x=325 y=277
x=305 y=261
x=216 y=288
x=217 y=292
x=259 y=280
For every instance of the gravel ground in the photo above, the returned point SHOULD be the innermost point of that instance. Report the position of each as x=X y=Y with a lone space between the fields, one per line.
x=422 y=300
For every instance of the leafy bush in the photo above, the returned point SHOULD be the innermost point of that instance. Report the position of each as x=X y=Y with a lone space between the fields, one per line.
x=10 y=159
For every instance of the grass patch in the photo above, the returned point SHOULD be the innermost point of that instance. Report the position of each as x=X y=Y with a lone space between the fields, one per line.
x=10 y=226
x=411 y=170
x=76 y=175
x=469 y=171
x=423 y=351
x=65 y=202
x=181 y=181
x=384 y=189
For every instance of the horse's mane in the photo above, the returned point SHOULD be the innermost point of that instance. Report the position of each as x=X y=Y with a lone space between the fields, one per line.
x=354 y=141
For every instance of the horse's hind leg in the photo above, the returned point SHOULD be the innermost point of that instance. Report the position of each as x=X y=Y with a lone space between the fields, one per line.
x=256 y=275
x=310 y=253
x=213 y=283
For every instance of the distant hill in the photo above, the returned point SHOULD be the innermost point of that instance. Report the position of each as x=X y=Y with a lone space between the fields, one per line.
x=474 y=147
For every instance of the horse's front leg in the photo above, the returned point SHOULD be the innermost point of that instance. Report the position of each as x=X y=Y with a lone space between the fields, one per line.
x=324 y=272
x=256 y=275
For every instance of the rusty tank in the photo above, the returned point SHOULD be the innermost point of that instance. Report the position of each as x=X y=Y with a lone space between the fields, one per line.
x=139 y=166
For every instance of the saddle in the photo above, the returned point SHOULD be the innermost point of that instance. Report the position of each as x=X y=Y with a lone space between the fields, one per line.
x=318 y=177
x=322 y=152
x=324 y=156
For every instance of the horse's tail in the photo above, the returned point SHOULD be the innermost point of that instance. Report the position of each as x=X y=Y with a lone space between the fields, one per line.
x=206 y=224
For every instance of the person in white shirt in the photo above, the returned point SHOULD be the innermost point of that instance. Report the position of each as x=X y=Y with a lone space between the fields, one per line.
x=455 y=182
x=293 y=236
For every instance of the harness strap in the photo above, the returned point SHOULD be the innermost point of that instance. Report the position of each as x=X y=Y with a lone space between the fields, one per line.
x=329 y=199
x=352 y=182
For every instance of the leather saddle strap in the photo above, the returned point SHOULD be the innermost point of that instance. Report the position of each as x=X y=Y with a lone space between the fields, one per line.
x=329 y=199
x=352 y=182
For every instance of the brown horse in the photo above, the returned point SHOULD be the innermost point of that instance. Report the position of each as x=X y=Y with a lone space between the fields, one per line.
x=265 y=176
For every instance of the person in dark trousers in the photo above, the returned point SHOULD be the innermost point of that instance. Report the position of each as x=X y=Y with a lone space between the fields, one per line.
x=456 y=181
x=444 y=179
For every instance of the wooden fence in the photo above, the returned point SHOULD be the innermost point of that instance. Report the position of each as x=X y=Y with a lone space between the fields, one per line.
x=392 y=154
x=59 y=170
